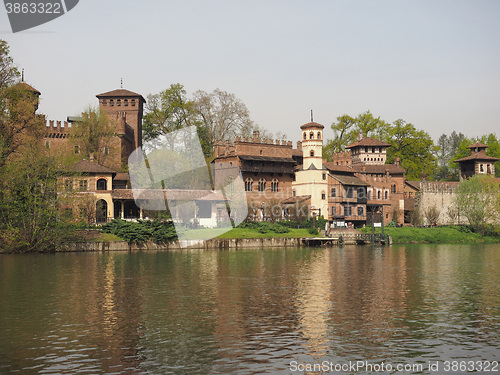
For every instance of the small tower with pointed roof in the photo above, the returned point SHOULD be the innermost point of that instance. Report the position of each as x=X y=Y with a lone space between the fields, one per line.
x=477 y=162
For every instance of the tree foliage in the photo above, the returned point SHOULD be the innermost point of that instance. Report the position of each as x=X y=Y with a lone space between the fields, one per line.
x=93 y=135
x=478 y=199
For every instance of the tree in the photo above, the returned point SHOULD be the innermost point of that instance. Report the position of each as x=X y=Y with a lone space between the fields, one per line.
x=478 y=199
x=432 y=215
x=346 y=131
x=32 y=219
x=93 y=135
x=222 y=114
x=167 y=111
x=414 y=148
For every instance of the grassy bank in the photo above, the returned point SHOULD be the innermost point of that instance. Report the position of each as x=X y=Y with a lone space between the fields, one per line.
x=448 y=234
x=245 y=233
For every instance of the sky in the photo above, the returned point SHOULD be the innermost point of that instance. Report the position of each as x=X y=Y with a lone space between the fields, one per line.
x=435 y=64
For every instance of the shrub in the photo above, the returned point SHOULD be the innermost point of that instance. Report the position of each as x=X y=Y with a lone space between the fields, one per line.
x=313 y=231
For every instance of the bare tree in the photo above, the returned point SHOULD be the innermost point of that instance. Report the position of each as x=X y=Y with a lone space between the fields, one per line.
x=432 y=214
x=221 y=114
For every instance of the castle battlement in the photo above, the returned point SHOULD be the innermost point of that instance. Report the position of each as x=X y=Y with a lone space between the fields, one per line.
x=57 y=129
x=438 y=186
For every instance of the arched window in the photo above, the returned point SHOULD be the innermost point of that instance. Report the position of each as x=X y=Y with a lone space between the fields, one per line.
x=369 y=194
x=319 y=135
x=393 y=188
x=111 y=102
x=102 y=184
x=101 y=212
x=333 y=192
x=311 y=153
x=248 y=184
x=133 y=102
x=378 y=194
x=305 y=135
x=311 y=135
x=323 y=195
x=262 y=185
x=294 y=193
x=274 y=185
x=481 y=168
x=386 y=195
x=118 y=102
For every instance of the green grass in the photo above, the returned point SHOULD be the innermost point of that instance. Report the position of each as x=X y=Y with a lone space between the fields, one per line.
x=243 y=233
x=448 y=234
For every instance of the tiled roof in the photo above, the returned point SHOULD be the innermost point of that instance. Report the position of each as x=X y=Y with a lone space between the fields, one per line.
x=296 y=152
x=350 y=180
x=122 y=177
x=173 y=194
x=413 y=184
x=87 y=166
x=370 y=142
x=379 y=168
x=477 y=156
x=311 y=125
x=25 y=86
x=333 y=167
x=478 y=145
x=266 y=158
x=120 y=93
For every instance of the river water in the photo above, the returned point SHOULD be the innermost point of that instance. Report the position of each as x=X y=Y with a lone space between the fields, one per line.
x=272 y=311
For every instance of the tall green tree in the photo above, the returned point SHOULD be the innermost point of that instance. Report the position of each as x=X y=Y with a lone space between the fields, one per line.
x=346 y=131
x=414 y=148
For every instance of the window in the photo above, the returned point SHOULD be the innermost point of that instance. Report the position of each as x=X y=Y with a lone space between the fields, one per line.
x=324 y=176
x=333 y=192
x=361 y=191
x=323 y=195
x=319 y=135
x=393 y=188
x=481 y=168
x=312 y=153
x=347 y=211
x=102 y=184
x=305 y=136
x=369 y=194
x=386 y=195
x=274 y=185
x=111 y=102
x=133 y=102
x=106 y=150
x=262 y=185
x=125 y=102
x=68 y=185
x=261 y=152
x=248 y=184
x=104 y=102
x=379 y=194
x=76 y=149
x=204 y=210
x=349 y=192
x=119 y=102
x=83 y=185
x=311 y=135
x=360 y=211
x=294 y=193
x=366 y=149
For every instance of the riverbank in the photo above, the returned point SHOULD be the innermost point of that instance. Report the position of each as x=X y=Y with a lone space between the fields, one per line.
x=448 y=234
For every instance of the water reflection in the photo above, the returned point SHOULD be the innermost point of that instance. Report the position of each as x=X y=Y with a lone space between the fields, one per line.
x=247 y=311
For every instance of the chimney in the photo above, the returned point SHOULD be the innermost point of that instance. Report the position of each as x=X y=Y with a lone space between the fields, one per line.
x=397 y=161
x=256 y=135
x=91 y=157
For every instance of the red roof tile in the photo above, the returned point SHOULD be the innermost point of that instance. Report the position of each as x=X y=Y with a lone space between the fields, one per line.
x=477 y=156
x=120 y=93
x=332 y=166
x=478 y=145
x=379 y=168
x=369 y=141
x=311 y=125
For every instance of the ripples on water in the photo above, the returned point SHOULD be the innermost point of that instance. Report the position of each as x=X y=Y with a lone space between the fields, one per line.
x=248 y=311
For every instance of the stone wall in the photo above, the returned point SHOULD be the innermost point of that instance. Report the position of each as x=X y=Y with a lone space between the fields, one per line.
x=440 y=194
